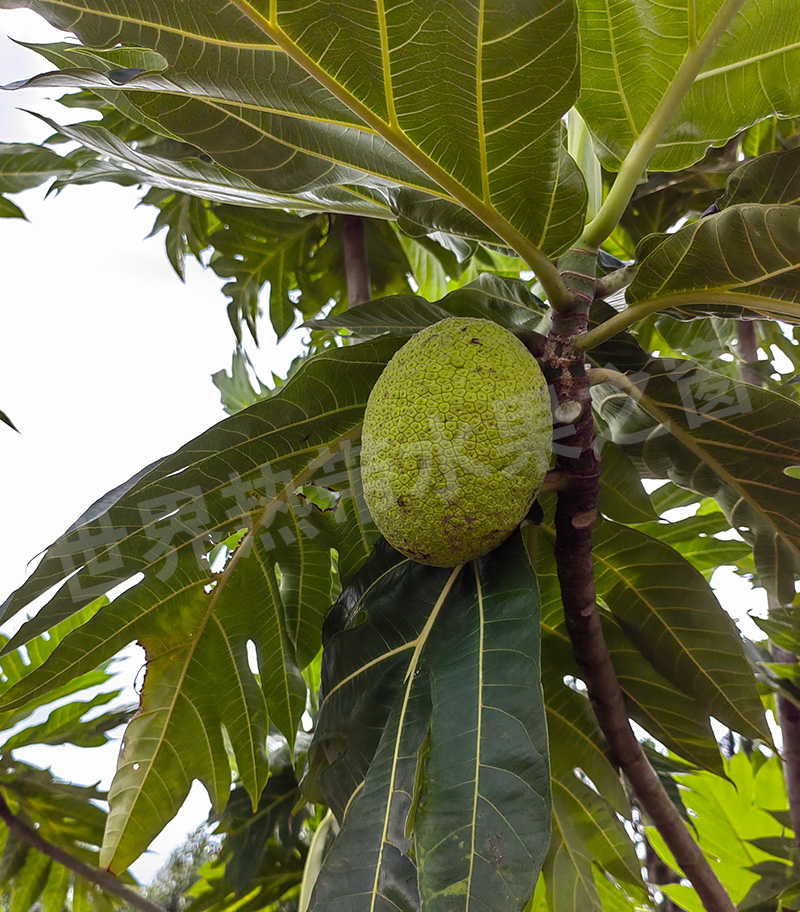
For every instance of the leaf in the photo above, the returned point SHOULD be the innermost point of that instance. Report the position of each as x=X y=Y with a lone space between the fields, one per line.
x=194 y=621
x=236 y=389
x=782 y=626
x=670 y=496
x=17 y=664
x=360 y=90
x=118 y=162
x=29 y=882
x=727 y=817
x=508 y=302
x=62 y=813
x=772 y=178
x=694 y=538
x=622 y=496
x=445 y=665
x=54 y=895
x=723 y=439
x=64 y=725
x=9 y=210
x=670 y=612
x=23 y=166
x=743 y=261
x=587 y=834
x=663 y=708
x=631 y=57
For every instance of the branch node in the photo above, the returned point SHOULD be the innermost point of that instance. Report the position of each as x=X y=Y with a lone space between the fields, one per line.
x=569 y=411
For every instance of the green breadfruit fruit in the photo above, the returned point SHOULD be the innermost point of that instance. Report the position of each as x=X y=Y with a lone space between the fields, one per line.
x=456 y=441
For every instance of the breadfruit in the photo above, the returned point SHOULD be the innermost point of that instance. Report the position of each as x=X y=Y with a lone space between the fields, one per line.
x=456 y=441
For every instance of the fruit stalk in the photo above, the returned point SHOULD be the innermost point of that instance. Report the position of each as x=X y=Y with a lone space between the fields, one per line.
x=576 y=513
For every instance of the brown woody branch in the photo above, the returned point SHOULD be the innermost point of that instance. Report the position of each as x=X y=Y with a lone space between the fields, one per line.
x=576 y=514
x=101 y=878
x=356 y=260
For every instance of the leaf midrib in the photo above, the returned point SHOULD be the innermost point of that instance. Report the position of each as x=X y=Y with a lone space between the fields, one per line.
x=222 y=580
x=398 y=138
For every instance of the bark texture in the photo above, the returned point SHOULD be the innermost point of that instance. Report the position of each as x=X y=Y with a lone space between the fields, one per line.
x=356 y=260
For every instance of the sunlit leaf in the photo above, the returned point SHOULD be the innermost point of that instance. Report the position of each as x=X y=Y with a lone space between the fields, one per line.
x=631 y=55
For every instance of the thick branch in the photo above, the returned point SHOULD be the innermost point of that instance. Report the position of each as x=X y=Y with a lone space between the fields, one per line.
x=356 y=260
x=576 y=514
x=748 y=351
x=98 y=876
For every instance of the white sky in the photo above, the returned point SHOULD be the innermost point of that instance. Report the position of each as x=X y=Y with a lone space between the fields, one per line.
x=105 y=363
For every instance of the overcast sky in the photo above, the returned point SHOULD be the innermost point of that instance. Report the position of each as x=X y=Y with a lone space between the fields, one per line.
x=105 y=364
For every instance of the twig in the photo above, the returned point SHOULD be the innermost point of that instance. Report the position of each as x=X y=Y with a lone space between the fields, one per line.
x=576 y=514
x=356 y=260
x=98 y=876
x=615 y=281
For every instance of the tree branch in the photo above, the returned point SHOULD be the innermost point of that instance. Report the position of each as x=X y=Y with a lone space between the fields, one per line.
x=356 y=260
x=748 y=351
x=97 y=876
x=576 y=514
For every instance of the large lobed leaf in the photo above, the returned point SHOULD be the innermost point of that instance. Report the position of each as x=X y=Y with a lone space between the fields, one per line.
x=431 y=735
x=632 y=55
x=448 y=140
x=195 y=622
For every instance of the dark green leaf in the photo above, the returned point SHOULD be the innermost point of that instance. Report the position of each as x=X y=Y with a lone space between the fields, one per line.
x=670 y=612
x=421 y=652
x=773 y=178
x=194 y=620
x=723 y=439
x=622 y=496
x=355 y=89
x=664 y=709
x=64 y=725
x=508 y=302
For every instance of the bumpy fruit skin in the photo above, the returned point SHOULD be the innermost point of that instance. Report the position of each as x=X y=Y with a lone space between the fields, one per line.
x=456 y=441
